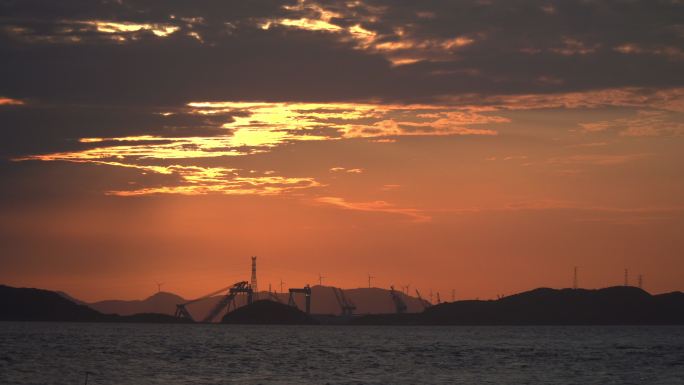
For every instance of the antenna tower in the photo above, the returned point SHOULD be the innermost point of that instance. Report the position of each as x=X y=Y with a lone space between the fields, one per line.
x=253 y=284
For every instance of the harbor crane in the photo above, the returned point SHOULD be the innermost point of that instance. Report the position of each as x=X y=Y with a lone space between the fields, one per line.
x=423 y=302
x=228 y=300
x=399 y=304
x=346 y=305
x=306 y=290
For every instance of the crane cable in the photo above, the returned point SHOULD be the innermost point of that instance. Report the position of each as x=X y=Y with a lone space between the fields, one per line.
x=208 y=295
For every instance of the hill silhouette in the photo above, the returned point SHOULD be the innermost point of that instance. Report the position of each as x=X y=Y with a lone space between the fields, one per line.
x=27 y=304
x=70 y=298
x=268 y=312
x=609 y=306
x=162 y=302
x=372 y=300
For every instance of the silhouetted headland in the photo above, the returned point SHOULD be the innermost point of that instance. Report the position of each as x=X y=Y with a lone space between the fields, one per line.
x=621 y=305
x=268 y=312
x=24 y=304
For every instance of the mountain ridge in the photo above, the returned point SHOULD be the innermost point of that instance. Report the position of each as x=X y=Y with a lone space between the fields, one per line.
x=30 y=304
x=545 y=306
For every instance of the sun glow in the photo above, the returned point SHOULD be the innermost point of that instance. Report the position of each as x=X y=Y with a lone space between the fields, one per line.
x=161 y=30
x=257 y=127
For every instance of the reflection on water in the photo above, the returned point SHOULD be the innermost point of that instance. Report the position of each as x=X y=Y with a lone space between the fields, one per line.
x=57 y=353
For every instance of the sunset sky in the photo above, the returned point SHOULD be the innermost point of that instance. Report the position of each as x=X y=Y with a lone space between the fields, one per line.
x=484 y=146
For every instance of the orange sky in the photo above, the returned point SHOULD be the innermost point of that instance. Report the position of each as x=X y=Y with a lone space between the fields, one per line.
x=342 y=139
x=480 y=214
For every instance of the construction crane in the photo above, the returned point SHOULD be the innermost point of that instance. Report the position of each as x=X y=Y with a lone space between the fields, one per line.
x=306 y=290
x=224 y=303
x=346 y=305
x=399 y=304
x=423 y=302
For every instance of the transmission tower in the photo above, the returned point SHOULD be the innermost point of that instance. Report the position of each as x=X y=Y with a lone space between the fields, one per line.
x=370 y=277
x=253 y=284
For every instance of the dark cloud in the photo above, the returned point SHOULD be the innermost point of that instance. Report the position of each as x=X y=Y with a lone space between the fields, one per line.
x=141 y=10
x=40 y=128
x=79 y=81
x=517 y=47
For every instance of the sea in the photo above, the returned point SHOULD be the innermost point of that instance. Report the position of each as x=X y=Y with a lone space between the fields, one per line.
x=65 y=353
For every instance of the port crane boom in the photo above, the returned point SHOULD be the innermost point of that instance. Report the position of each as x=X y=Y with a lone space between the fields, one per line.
x=224 y=303
x=423 y=302
x=346 y=305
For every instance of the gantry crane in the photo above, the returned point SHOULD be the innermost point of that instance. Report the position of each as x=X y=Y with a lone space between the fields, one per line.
x=225 y=302
x=346 y=305
x=306 y=290
x=399 y=304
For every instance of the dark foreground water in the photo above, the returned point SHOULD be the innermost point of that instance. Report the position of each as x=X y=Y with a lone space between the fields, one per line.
x=60 y=353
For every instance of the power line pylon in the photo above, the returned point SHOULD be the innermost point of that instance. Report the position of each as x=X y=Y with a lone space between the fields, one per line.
x=370 y=277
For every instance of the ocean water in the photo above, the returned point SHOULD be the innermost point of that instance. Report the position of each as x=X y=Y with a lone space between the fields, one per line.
x=61 y=353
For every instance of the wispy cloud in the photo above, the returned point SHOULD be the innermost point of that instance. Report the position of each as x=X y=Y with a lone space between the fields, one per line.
x=376 y=206
x=597 y=159
x=347 y=170
x=645 y=123
x=10 y=102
